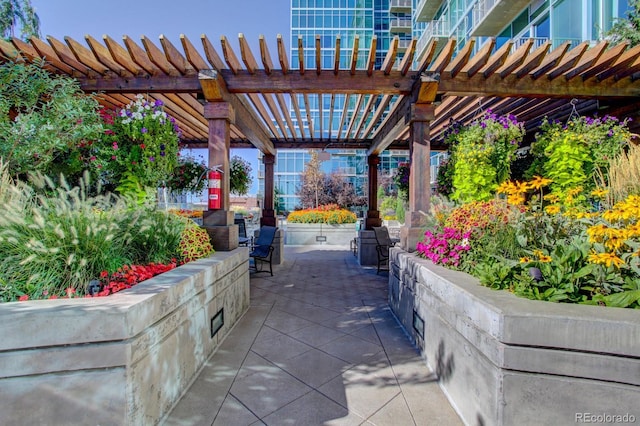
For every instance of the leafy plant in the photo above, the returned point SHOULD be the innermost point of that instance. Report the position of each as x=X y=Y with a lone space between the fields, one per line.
x=188 y=176
x=47 y=123
x=482 y=153
x=240 y=176
x=573 y=154
x=139 y=147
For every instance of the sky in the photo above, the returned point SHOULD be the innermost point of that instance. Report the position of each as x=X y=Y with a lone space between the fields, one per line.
x=171 y=18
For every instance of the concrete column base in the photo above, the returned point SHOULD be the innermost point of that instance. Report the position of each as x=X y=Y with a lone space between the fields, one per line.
x=367 y=253
x=223 y=238
x=218 y=217
x=409 y=237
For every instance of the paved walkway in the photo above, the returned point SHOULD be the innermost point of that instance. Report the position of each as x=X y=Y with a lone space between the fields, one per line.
x=318 y=346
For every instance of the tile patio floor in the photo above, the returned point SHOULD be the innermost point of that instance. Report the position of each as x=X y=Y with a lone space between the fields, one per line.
x=318 y=346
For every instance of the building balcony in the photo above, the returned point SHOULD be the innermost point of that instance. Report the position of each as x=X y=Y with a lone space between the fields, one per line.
x=400 y=26
x=400 y=6
x=403 y=45
x=435 y=30
x=426 y=10
x=491 y=16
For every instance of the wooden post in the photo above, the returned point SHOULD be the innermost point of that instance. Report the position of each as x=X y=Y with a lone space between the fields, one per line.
x=420 y=177
x=373 y=215
x=219 y=223
x=268 y=214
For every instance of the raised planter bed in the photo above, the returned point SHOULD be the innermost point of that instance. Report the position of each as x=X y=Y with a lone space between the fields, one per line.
x=504 y=360
x=121 y=359
x=319 y=233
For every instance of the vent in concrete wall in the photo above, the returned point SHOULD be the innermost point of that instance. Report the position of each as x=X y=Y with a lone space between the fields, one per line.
x=217 y=321
x=418 y=325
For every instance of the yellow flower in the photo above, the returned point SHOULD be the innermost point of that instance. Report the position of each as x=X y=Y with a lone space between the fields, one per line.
x=600 y=193
x=552 y=198
x=525 y=259
x=596 y=233
x=538 y=182
x=607 y=259
x=552 y=209
x=545 y=259
x=515 y=199
x=634 y=230
x=522 y=187
x=574 y=191
x=538 y=253
x=506 y=187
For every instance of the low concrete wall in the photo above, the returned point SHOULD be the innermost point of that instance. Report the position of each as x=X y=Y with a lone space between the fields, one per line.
x=124 y=359
x=319 y=233
x=505 y=360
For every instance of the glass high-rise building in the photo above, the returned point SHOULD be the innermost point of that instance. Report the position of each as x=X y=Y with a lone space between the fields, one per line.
x=350 y=20
x=542 y=20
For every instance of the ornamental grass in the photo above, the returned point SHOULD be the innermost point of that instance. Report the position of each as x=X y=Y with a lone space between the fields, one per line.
x=55 y=239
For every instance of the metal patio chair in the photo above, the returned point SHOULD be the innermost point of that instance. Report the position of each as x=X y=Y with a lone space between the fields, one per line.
x=383 y=243
x=262 y=248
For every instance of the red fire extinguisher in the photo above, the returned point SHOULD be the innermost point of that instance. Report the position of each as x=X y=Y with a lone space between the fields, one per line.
x=215 y=189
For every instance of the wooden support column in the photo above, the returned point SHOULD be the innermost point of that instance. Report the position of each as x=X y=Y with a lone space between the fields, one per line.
x=268 y=213
x=219 y=223
x=420 y=177
x=373 y=214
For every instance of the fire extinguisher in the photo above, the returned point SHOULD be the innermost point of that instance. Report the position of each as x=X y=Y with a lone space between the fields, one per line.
x=215 y=189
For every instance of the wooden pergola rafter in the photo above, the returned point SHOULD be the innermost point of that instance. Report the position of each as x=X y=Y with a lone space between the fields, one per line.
x=222 y=99
x=274 y=103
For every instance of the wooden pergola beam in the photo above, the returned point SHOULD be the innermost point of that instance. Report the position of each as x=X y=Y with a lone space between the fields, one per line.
x=343 y=82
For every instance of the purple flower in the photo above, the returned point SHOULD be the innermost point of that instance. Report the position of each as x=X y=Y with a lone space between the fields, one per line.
x=161 y=153
x=152 y=159
x=158 y=103
x=144 y=130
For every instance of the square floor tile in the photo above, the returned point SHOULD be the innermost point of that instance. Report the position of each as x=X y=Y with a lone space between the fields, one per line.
x=313 y=409
x=314 y=367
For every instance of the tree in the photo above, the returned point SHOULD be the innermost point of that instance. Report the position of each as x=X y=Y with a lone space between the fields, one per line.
x=319 y=189
x=627 y=28
x=310 y=190
x=18 y=15
x=240 y=178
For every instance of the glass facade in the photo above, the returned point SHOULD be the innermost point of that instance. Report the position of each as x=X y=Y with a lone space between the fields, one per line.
x=555 y=20
x=351 y=164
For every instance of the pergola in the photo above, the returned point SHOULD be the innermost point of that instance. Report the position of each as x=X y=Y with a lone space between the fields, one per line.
x=223 y=101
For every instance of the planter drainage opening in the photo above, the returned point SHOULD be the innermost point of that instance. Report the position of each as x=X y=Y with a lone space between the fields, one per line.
x=217 y=321
x=418 y=325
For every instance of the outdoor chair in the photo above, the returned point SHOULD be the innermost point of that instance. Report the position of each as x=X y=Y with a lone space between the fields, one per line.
x=383 y=243
x=262 y=249
x=243 y=240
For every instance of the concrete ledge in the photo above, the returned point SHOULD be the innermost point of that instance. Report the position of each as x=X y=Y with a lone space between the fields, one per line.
x=505 y=360
x=319 y=233
x=121 y=359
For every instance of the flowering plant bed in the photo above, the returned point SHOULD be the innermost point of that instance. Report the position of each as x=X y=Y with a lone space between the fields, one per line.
x=82 y=357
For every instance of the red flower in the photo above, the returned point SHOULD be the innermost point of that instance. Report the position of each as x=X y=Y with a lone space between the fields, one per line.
x=142 y=146
x=23 y=297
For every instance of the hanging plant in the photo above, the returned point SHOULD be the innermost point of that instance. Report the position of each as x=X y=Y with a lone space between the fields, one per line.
x=573 y=155
x=188 y=176
x=140 y=146
x=401 y=180
x=240 y=176
x=482 y=153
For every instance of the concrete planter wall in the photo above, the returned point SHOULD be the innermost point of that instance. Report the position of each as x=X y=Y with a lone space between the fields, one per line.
x=505 y=360
x=319 y=233
x=124 y=359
